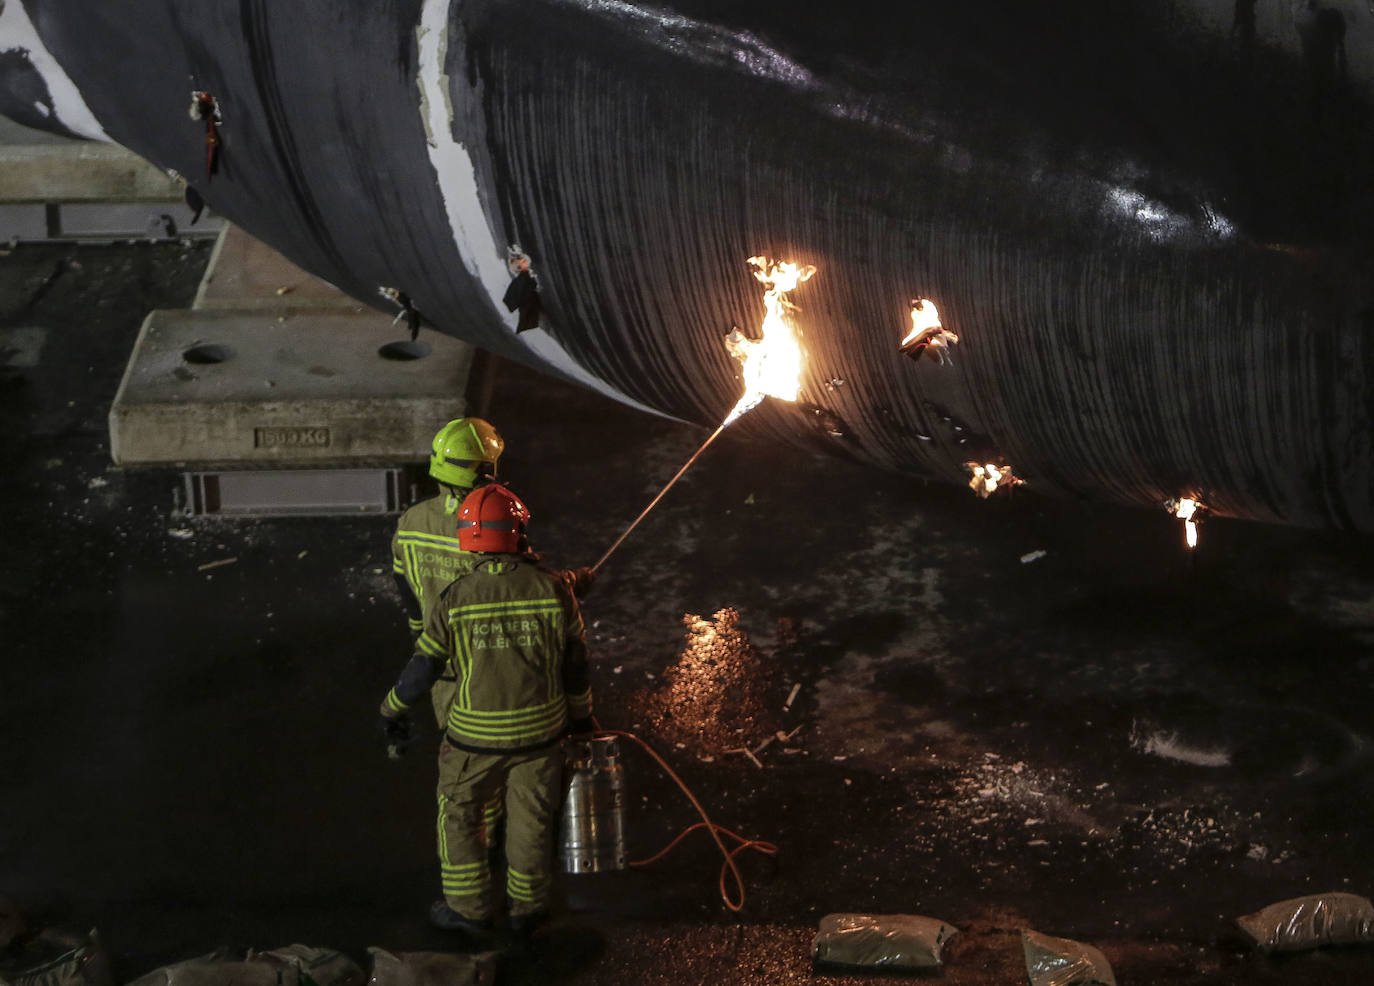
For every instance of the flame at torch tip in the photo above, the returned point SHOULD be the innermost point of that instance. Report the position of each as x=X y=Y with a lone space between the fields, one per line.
x=772 y=365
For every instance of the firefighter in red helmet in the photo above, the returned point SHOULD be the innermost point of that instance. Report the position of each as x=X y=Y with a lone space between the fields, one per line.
x=511 y=633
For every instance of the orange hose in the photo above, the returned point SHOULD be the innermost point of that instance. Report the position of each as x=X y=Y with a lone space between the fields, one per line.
x=729 y=866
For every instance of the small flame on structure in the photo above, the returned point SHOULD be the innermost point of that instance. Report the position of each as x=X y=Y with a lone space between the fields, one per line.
x=927 y=336
x=987 y=478
x=771 y=365
x=1189 y=510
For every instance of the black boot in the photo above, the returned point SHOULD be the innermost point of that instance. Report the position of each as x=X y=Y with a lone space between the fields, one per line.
x=443 y=916
x=523 y=925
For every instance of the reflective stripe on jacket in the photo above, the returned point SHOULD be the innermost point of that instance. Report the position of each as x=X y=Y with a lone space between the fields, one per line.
x=425 y=552
x=514 y=637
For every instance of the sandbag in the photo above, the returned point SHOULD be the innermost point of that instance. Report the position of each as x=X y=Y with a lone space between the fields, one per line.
x=293 y=965
x=432 y=968
x=885 y=941
x=55 y=958
x=1063 y=962
x=1310 y=922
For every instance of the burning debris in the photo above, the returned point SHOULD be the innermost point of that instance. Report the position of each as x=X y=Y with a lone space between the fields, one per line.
x=206 y=107
x=927 y=336
x=1190 y=510
x=987 y=478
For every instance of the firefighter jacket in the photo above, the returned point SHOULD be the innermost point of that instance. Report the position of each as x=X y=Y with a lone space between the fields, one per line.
x=513 y=635
x=425 y=556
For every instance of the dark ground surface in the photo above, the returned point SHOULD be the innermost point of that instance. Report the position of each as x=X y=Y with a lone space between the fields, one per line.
x=1116 y=743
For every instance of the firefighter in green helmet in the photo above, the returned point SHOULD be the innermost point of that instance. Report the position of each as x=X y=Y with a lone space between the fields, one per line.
x=513 y=633
x=425 y=556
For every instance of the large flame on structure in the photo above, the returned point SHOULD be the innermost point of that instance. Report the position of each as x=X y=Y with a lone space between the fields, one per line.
x=1189 y=510
x=772 y=365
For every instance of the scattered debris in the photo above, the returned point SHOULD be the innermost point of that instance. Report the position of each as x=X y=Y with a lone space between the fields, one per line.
x=748 y=753
x=215 y=564
x=791 y=696
x=1168 y=745
x=1031 y=556
x=181 y=532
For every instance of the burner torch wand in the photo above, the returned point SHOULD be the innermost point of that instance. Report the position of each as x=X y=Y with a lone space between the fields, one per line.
x=655 y=500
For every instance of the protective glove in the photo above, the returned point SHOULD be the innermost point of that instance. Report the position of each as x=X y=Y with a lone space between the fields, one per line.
x=396 y=735
x=579 y=579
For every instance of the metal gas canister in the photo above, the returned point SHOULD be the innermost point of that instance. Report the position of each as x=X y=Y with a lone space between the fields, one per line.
x=592 y=830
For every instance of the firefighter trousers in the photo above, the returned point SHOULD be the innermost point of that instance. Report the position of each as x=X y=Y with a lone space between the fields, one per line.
x=529 y=785
x=442 y=697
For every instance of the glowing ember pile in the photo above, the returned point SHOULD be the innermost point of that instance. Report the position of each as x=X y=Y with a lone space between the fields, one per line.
x=988 y=478
x=927 y=336
x=721 y=692
x=1189 y=510
x=772 y=365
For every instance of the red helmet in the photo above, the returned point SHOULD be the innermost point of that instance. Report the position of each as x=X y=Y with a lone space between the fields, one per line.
x=492 y=519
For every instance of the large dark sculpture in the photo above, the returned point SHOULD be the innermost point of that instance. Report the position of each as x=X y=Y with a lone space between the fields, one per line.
x=1150 y=229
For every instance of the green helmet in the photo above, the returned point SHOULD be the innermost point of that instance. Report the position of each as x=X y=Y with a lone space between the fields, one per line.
x=461 y=448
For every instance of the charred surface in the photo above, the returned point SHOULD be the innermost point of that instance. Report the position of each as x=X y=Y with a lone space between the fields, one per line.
x=1152 y=235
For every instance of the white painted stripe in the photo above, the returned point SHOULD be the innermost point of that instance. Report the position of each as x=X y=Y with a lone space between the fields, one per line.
x=18 y=33
x=482 y=253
